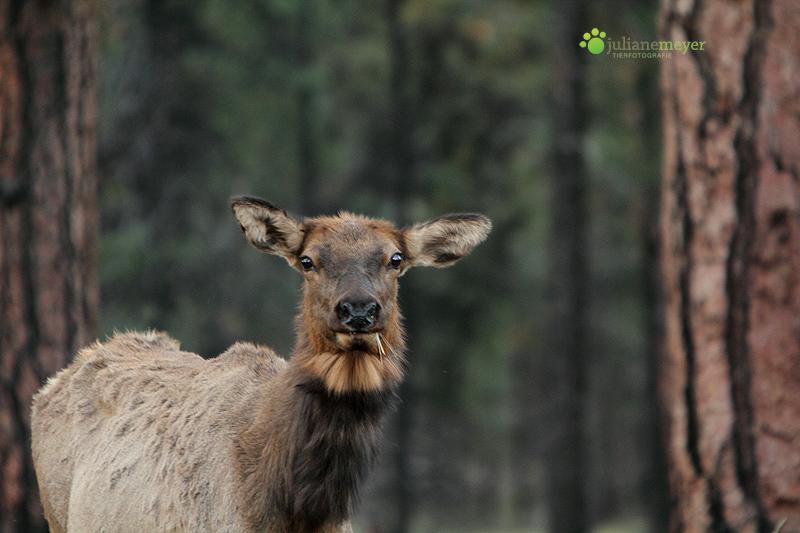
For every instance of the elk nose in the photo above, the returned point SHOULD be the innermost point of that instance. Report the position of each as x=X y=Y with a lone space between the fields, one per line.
x=358 y=315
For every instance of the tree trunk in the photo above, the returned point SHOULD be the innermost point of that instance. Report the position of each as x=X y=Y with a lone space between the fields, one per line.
x=565 y=388
x=399 y=178
x=48 y=295
x=654 y=480
x=731 y=257
x=306 y=142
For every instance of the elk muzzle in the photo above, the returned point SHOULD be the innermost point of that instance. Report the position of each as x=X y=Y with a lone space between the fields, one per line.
x=357 y=314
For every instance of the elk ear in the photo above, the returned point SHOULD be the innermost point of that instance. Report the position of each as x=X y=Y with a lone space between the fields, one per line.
x=445 y=240
x=267 y=227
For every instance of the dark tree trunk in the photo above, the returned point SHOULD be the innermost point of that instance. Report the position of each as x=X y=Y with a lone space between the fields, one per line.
x=306 y=141
x=48 y=295
x=398 y=176
x=731 y=246
x=565 y=388
x=654 y=480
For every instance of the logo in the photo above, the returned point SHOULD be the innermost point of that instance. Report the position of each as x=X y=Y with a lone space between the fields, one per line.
x=626 y=48
x=594 y=41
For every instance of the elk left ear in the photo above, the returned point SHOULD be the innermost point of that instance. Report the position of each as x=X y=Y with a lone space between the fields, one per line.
x=445 y=240
x=268 y=228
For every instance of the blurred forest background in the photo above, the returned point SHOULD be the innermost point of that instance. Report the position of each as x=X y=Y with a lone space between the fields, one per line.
x=408 y=109
x=404 y=109
x=530 y=405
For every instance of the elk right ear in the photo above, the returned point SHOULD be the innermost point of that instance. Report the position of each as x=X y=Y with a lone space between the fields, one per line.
x=267 y=227
x=445 y=240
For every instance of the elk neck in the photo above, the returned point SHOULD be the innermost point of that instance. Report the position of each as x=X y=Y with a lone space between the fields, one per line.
x=317 y=436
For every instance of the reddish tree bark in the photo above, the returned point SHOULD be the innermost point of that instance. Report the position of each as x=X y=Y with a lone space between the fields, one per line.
x=731 y=247
x=48 y=295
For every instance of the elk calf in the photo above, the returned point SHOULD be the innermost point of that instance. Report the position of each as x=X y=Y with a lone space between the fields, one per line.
x=136 y=435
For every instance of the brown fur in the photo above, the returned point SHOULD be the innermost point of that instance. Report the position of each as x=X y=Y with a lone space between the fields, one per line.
x=136 y=435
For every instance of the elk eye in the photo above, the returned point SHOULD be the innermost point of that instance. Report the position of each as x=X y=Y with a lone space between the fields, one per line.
x=306 y=263
x=396 y=259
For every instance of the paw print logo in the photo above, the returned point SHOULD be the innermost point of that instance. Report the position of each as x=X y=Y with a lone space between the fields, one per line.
x=594 y=41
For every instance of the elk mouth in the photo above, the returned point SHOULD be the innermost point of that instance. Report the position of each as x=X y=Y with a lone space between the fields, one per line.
x=360 y=341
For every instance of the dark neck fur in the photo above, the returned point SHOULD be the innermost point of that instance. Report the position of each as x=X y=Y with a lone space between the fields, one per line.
x=336 y=441
x=302 y=457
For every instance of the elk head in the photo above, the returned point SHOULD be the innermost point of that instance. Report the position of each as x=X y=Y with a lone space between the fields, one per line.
x=351 y=265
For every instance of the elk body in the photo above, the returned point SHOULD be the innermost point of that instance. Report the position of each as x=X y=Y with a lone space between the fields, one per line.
x=136 y=435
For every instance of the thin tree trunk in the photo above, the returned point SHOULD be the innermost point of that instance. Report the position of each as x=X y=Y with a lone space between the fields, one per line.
x=565 y=389
x=731 y=259
x=654 y=480
x=48 y=294
x=306 y=142
x=399 y=179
